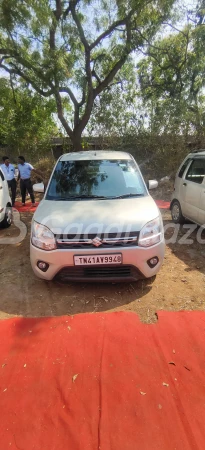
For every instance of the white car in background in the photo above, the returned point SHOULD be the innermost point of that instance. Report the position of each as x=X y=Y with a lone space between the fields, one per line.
x=5 y=203
x=188 y=198
x=97 y=221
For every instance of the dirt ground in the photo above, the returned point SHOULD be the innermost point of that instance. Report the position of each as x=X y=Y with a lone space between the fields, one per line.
x=179 y=285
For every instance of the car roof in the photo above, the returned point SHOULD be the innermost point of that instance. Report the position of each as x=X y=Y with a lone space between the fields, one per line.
x=95 y=154
x=200 y=152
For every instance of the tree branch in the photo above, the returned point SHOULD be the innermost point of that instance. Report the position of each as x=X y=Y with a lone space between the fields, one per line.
x=175 y=28
x=110 y=76
x=57 y=14
x=68 y=91
x=118 y=65
x=79 y=26
x=82 y=102
x=18 y=72
x=13 y=90
x=94 y=74
x=61 y=115
x=58 y=10
x=81 y=123
x=111 y=29
x=25 y=63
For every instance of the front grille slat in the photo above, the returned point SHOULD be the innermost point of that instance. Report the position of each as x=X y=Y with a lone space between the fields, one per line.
x=109 y=240
x=99 y=273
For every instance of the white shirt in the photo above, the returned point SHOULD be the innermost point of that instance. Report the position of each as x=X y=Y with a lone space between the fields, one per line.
x=9 y=171
x=25 y=170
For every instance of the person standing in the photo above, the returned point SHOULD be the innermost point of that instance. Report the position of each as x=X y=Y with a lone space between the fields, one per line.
x=9 y=172
x=25 y=170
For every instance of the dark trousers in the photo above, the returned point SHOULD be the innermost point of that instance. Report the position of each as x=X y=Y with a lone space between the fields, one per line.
x=26 y=185
x=12 y=186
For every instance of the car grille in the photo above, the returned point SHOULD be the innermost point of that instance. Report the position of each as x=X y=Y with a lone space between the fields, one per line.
x=108 y=273
x=103 y=240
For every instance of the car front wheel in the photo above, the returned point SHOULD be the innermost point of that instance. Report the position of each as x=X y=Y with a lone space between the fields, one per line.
x=6 y=222
x=176 y=212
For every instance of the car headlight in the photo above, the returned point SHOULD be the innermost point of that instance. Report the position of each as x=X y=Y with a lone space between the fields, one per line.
x=151 y=233
x=42 y=237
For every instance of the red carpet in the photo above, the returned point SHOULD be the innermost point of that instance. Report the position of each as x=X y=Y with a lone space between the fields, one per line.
x=28 y=207
x=103 y=381
x=162 y=204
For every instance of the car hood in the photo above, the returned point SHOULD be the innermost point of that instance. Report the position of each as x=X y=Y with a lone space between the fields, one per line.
x=92 y=216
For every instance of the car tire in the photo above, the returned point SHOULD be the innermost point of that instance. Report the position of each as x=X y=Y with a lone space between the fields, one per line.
x=176 y=212
x=7 y=220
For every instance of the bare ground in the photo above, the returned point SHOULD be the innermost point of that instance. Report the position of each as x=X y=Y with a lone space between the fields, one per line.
x=180 y=284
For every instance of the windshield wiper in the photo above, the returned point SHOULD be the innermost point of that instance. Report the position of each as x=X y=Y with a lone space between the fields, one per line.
x=83 y=196
x=129 y=195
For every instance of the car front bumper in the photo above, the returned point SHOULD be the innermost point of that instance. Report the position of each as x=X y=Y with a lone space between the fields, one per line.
x=134 y=264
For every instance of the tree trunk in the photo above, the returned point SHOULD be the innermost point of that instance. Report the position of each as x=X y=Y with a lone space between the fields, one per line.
x=76 y=141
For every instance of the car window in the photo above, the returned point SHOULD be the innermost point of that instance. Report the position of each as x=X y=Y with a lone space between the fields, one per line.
x=196 y=171
x=183 y=168
x=106 y=178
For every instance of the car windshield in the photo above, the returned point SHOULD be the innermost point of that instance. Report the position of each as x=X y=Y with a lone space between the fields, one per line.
x=95 y=179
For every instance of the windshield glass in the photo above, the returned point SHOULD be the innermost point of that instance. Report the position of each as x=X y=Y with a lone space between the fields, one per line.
x=95 y=178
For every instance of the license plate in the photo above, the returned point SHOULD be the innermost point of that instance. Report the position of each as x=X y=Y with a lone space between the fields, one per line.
x=93 y=260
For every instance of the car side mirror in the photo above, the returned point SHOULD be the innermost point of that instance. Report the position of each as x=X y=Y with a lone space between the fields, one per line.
x=39 y=187
x=152 y=184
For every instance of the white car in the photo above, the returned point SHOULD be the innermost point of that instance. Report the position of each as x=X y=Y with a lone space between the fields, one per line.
x=5 y=203
x=188 y=198
x=97 y=221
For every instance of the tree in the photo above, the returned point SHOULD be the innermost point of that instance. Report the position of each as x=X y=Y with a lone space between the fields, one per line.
x=25 y=118
x=73 y=50
x=172 y=81
x=117 y=110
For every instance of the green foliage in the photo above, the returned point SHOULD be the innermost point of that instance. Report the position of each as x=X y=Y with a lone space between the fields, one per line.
x=172 y=82
x=118 y=110
x=25 y=119
x=75 y=49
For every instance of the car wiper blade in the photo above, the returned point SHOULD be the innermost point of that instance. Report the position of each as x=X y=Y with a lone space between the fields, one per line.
x=90 y=196
x=83 y=196
x=129 y=195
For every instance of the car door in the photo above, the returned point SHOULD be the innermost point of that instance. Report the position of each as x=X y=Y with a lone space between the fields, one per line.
x=179 y=191
x=202 y=204
x=192 y=187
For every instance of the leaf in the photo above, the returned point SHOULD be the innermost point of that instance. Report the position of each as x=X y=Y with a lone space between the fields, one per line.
x=172 y=363
x=74 y=377
x=165 y=384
